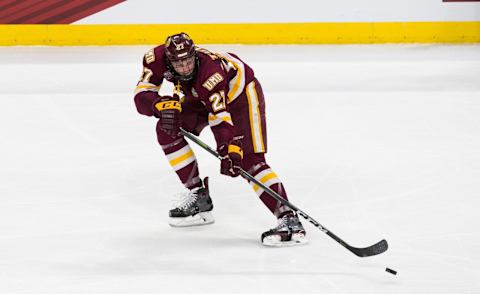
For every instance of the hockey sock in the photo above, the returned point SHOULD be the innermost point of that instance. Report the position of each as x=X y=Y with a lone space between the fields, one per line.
x=183 y=160
x=266 y=176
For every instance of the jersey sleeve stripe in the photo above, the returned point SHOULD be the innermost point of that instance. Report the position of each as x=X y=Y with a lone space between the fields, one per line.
x=216 y=119
x=141 y=87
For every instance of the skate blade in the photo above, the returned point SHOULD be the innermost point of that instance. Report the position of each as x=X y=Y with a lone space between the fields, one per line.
x=297 y=239
x=199 y=219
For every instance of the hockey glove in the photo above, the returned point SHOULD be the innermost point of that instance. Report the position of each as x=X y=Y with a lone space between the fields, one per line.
x=232 y=155
x=167 y=109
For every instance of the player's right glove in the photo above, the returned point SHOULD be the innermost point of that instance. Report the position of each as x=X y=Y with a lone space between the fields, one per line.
x=231 y=161
x=167 y=109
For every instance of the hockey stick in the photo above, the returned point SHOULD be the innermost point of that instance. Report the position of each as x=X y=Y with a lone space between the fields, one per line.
x=375 y=249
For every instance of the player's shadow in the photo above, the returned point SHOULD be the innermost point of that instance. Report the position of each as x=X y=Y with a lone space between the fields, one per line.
x=184 y=251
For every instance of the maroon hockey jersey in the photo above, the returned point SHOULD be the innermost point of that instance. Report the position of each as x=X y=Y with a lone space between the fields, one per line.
x=219 y=85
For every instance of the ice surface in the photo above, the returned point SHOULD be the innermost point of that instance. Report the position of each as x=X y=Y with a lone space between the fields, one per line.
x=372 y=141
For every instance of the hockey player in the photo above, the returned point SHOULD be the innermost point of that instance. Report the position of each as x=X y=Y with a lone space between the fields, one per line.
x=219 y=90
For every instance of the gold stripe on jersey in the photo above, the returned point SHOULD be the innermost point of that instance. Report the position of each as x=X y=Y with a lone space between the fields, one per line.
x=141 y=87
x=181 y=158
x=266 y=177
x=255 y=118
x=237 y=84
x=218 y=118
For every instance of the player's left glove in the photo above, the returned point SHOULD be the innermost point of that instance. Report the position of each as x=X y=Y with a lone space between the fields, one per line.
x=232 y=155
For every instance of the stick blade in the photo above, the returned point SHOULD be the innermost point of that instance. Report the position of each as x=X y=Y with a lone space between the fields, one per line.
x=375 y=249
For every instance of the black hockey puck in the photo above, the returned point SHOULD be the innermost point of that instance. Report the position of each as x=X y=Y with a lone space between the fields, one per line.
x=389 y=270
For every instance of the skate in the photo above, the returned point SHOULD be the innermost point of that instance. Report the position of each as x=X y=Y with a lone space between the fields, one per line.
x=193 y=209
x=289 y=232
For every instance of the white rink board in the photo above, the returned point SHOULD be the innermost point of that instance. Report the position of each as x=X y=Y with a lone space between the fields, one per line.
x=373 y=141
x=217 y=11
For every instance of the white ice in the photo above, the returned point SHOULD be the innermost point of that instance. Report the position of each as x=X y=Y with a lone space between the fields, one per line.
x=372 y=141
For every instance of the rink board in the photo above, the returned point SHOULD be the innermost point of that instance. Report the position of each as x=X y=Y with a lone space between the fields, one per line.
x=255 y=33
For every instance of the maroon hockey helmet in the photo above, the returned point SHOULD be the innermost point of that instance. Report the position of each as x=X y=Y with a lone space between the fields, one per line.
x=179 y=46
